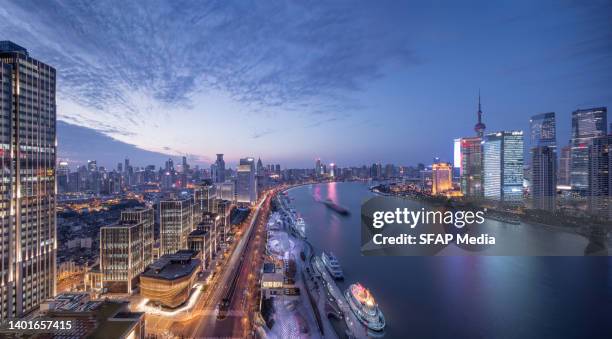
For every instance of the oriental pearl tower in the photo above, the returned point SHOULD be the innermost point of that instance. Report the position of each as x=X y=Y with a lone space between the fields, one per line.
x=480 y=126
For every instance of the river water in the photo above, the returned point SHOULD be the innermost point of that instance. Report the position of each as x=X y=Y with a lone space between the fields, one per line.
x=464 y=296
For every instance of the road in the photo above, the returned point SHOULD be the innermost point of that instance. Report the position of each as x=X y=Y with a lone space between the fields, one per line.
x=242 y=307
x=204 y=314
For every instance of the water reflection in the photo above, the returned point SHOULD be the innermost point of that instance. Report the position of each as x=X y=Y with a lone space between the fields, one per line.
x=466 y=297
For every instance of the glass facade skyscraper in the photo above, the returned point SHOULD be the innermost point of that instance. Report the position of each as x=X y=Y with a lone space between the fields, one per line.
x=175 y=224
x=502 y=154
x=471 y=167
x=543 y=161
x=28 y=241
x=121 y=255
x=586 y=125
x=600 y=177
x=246 y=184
x=144 y=215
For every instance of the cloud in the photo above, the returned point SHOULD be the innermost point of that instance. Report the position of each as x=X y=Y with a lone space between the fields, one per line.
x=127 y=68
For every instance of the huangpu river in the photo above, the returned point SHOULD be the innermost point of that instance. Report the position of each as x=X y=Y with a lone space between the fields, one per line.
x=465 y=296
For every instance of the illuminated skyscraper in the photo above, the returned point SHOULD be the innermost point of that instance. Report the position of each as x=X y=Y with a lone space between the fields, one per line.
x=175 y=224
x=586 y=125
x=441 y=178
x=544 y=161
x=223 y=209
x=565 y=159
x=226 y=191
x=62 y=176
x=28 y=241
x=246 y=184
x=204 y=195
x=502 y=159
x=220 y=167
x=600 y=177
x=318 y=168
x=121 y=255
x=471 y=167
x=144 y=216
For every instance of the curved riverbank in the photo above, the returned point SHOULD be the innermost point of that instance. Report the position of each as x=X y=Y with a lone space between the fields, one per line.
x=418 y=294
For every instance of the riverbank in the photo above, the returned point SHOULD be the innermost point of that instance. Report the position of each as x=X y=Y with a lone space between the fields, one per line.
x=535 y=218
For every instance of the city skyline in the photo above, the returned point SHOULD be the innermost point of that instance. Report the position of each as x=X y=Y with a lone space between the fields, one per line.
x=394 y=86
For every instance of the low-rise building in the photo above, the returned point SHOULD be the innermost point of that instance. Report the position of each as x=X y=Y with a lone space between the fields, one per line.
x=169 y=280
x=92 y=318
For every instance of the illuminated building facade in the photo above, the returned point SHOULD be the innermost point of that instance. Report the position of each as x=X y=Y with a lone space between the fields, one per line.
x=144 y=216
x=28 y=241
x=586 y=125
x=121 y=255
x=199 y=240
x=600 y=177
x=442 y=178
x=471 y=167
x=204 y=195
x=544 y=161
x=220 y=169
x=169 y=280
x=92 y=318
x=175 y=224
x=502 y=155
x=563 y=176
x=226 y=191
x=318 y=168
x=223 y=209
x=246 y=184
x=211 y=223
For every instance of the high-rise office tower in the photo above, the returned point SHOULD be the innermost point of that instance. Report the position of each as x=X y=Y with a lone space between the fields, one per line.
x=185 y=165
x=226 y=191
x=146 y=217
x=62 y=176
x=246 y=184
x=600 y=177
x=332 y=170
x=28 y=241
x=213 y=172
x=121 y=255
x=204 y=195
x=175 y=224
x=544 y=161
x=223 y=209
x=441 y=178
x=586 y=125
x=563 y=177
x=220 y=168
x=471 y=167
x=502 y=160
x=318 y=168
x=169 y=165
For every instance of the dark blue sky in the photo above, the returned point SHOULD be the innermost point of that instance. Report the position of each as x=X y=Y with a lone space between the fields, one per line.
x=350 y=82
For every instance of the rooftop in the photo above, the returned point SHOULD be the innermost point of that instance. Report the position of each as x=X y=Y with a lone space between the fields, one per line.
x=9 y=46
x=269 y=268
x=173 y=266
x=198 y=232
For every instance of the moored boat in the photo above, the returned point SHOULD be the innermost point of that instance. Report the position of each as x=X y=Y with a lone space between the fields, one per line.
x=364 y=307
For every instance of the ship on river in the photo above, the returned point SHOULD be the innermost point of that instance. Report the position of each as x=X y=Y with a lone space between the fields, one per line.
x=364 y=307
x=335 y=207
x=333 y=265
